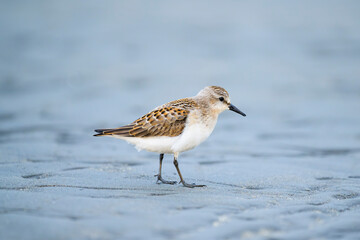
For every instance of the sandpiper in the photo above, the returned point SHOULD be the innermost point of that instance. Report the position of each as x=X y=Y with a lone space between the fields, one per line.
x=176 y=127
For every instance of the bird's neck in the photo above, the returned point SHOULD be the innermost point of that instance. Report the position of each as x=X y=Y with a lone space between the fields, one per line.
x=208 y=116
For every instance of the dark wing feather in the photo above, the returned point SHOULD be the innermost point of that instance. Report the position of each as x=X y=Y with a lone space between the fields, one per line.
x=165 y=121
x=119 y=131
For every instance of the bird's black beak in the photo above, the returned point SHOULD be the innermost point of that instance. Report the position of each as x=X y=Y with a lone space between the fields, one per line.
x=235 y=109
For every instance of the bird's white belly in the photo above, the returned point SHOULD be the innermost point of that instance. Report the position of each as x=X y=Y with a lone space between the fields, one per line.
x=152 y=144
x=191 y=137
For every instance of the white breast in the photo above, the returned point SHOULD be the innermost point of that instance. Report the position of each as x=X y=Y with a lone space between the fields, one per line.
x=195 y=133
x=152 y=144
x=191 y=137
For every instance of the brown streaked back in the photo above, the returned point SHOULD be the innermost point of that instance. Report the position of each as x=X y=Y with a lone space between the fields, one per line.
x=165 y=121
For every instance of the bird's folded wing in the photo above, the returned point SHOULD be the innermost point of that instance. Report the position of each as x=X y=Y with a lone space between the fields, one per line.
x=165 y=121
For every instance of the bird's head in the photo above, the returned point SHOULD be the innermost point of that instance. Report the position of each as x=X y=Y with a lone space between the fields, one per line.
x=219 y=99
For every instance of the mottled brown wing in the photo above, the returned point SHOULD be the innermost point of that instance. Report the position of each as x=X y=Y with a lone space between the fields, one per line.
x=165 y=121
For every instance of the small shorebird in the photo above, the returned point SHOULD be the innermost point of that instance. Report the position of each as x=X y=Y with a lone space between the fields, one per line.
x=176 y=127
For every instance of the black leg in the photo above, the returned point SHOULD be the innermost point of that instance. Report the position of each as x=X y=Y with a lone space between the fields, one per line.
x=181 y=178
x=159 y=178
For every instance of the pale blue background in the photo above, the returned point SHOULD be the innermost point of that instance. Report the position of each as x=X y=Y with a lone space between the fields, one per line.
x=289 y=170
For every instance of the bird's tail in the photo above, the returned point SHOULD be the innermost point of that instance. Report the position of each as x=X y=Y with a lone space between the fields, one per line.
x=101 y=132
x=122 y=131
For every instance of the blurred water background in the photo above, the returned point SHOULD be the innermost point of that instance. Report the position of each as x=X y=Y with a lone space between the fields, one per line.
x=289 y=170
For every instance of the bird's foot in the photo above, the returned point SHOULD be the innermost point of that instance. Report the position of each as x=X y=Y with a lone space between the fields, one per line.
x=159 y=178
x=190 y=185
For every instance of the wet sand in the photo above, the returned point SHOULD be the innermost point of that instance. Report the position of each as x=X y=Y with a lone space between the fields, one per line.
x=289 y=170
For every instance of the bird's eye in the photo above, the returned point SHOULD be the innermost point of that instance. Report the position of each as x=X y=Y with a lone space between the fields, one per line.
x=221 y=99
